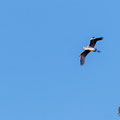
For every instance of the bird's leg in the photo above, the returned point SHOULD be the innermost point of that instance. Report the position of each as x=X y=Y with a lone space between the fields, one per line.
x=98 y=51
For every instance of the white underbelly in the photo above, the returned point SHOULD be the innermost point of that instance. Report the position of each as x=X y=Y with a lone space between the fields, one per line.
x=90 y=48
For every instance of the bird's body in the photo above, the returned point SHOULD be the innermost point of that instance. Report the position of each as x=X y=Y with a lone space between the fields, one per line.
x=88 y=49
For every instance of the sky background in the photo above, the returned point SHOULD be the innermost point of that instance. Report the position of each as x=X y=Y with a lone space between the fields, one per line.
x=40 y=73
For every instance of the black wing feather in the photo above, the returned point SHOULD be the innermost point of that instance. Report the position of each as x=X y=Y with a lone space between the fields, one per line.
x=82 y=56
x=93 y=41
x=119 y=110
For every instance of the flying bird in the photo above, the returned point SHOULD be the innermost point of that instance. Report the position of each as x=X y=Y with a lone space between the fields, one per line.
x=89 y=48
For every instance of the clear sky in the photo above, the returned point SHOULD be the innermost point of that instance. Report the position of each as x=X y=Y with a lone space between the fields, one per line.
x=40 y=73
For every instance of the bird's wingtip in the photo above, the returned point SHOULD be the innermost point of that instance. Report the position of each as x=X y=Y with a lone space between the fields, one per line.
x=101 y=38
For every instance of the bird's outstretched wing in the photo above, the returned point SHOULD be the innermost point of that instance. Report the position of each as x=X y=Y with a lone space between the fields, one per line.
x=94 y=40
x=82 y=56
x=119 y=110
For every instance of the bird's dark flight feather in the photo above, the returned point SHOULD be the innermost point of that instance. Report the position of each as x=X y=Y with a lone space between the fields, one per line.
x=93 y=41
x=119 y=110
x=82 y=56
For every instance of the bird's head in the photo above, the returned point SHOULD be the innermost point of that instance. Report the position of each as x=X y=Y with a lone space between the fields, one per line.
x=83 y=48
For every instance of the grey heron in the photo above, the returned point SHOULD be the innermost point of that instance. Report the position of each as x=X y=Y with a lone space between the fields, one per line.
x=89 y=48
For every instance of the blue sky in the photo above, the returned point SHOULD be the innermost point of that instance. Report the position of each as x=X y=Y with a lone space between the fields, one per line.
x=40 y=73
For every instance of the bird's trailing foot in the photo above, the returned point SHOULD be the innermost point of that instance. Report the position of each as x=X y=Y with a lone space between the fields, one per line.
x=98 y=51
